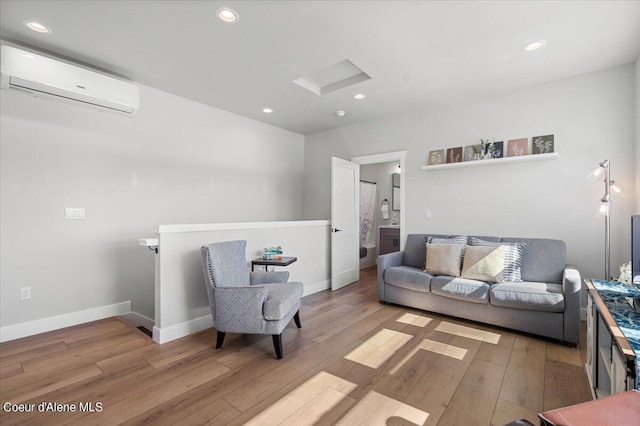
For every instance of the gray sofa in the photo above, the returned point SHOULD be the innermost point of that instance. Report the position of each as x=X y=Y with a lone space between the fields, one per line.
x=546 y=303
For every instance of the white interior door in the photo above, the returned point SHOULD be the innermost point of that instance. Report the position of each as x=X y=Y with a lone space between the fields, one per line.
x=345 y=217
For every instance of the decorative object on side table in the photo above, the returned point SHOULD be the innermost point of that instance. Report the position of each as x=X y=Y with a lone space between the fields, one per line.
x=542 y=144
x=436 y=157
x=454 y=155
x=272 y=253
x=517 y=147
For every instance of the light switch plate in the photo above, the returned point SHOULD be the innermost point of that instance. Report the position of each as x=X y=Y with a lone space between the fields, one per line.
x=74 y=213
x=427 y=214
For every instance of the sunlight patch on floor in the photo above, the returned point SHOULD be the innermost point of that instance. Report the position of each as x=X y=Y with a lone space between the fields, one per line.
x=432 y=346
x=414 y=319
x=468 y=332
x=378 y=348
x=307 y=403
x=375 y=409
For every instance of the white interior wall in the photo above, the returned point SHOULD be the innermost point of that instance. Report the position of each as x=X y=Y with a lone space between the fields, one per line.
x=592 y=118
x=177 y=161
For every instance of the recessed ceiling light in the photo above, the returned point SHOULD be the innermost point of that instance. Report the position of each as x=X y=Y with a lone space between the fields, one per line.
x=340 y=113
x=267 y=110
x=37 y=27
x=227 y=15
x=359 y=96
x=534 y=45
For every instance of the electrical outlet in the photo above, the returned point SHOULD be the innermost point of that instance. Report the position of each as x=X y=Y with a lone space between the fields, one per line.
x=25 y=293
x=74 y=213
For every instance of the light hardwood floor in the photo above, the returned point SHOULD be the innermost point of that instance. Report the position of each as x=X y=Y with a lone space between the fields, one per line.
x=355 y=361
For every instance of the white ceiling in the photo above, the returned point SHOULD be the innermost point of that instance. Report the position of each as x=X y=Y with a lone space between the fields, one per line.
x=419 y=54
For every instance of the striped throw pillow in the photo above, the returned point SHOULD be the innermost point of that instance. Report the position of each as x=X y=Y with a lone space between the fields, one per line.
x=512 y=259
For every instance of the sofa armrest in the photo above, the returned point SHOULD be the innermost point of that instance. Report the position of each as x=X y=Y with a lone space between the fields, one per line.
x=571 y=287
x=387 y=261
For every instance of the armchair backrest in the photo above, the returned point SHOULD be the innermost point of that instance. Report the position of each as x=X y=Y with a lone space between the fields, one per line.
x=225 y=264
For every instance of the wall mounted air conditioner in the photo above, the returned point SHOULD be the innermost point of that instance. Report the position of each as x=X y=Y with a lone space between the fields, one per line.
x=53 y=79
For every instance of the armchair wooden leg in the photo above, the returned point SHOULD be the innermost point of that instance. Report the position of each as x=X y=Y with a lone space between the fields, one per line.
x=296 y=318
x=219 y=339
x=277 y=344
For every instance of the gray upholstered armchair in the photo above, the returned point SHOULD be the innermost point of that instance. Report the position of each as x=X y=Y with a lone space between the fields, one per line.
x=248 y=302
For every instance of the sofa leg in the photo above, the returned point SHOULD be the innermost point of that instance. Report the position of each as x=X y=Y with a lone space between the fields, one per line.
x=570 y=344
x=277 y=344
x=219 y=339
x=296 y=318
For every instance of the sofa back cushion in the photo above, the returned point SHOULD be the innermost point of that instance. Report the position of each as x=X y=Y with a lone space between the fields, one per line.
x=543 y=260
x=414 y=250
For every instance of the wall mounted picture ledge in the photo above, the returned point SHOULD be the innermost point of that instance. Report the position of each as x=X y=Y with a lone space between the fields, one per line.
x=486 y=150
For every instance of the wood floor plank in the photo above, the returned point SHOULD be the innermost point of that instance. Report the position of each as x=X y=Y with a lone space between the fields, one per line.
x=131 y=407
x=92 y=389
x=435 y=389
x=50 y=383
x=506 y=412
x=87 y=354
x=524 y=379
x=328 y=329
x=564 y=385
x=218 y=413
x=34 y=353
x=497 y=354
x=562 y=353
x=10 y=370
x=476 y=396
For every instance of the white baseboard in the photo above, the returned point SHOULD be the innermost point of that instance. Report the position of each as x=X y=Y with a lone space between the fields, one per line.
x=583 y=314
x=316 y=287
x=139 y=320
x=17 y=331
x=173 y=332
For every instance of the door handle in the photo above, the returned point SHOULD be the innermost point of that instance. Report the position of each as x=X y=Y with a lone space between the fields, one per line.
x=336 y=230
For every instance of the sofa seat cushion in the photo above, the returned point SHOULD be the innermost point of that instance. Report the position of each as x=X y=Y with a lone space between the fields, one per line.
x=461 y=289
x=408 y=277
x=528 y=295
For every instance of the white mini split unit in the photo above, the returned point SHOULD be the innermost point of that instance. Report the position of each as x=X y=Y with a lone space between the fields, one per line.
x=49 y=78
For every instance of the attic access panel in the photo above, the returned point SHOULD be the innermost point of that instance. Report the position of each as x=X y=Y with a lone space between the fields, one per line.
x=335 y=77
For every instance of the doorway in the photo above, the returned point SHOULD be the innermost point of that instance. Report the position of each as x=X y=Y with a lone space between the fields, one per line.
x=379 y=211
x=345 y=199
